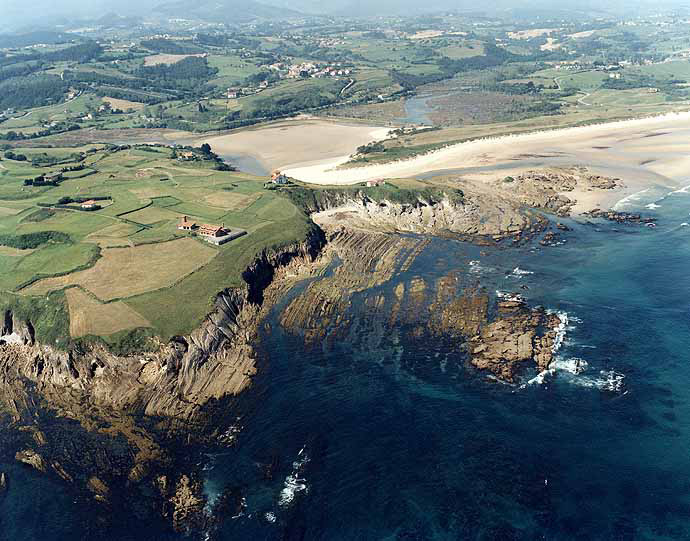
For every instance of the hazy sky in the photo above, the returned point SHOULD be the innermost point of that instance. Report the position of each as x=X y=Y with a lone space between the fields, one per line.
x=21 y=12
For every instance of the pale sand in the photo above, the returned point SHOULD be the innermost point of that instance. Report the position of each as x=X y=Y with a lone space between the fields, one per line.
x=643 y=152
x=288 y=143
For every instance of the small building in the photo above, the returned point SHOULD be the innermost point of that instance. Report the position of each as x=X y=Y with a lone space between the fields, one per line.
x=278 y=178
x=373 y=183
x=652 y=90
x=614 y=75
x=233 y=93
x=213 y=231
x=186 y=156
x=186 y=225
x=52 y=177
x=263 y=84
x=90 y=204
x=219 y=235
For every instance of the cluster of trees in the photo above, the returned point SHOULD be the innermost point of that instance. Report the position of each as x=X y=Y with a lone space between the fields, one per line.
x=189 y=75
x=376 y=146
x=77 y=53
x=204 y=152
x=32 y=91
x=59 y=127
x=31 y=241
x=167 y=46
x=19 y=70
x=40 y=180
x=66 y=201
x=10 y=155
x=493 y=56
x=277 y=106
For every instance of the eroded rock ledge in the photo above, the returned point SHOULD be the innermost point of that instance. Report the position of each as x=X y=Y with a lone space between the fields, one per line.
x=119 y=396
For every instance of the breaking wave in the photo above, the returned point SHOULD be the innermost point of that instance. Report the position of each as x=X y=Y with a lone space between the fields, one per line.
x=294 y=482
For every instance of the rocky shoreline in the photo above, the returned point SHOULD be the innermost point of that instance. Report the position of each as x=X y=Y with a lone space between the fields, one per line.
x=167 y=397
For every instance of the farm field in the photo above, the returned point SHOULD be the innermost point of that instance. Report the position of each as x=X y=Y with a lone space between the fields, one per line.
x=117 y=266
x=89 y=317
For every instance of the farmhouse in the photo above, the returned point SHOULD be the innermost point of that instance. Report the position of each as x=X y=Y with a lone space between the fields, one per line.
x=90 y=204
x=186 y=225
x=186 y=156
x=218 y=235
x=52 y=177
x=278 y=178
x=213 y=231
x=372 y=183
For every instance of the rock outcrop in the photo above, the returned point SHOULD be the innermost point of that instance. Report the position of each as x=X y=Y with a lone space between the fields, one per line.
x=517 y=336
x=187 y=504
x=31 y=458
x=621 y=217
x=116 y=397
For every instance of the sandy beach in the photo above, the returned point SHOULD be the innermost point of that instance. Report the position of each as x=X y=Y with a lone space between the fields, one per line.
x=295 y=143
x=643 y=152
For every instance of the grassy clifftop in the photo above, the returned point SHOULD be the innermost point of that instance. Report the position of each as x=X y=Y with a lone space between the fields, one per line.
x=125 y=271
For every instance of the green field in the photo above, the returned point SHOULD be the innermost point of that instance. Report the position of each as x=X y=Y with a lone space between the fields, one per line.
x=130 y=252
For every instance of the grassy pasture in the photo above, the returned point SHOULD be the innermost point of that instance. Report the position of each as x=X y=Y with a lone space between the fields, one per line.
x=124 y=272
x=128 y=260
x=89 y=317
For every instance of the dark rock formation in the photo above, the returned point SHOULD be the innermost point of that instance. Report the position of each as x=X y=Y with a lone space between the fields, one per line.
x=518 y=335
x=620 y=217
x=31 y=458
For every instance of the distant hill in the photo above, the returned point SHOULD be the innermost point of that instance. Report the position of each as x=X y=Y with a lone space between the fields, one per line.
x=227 y=11
x=10 y=41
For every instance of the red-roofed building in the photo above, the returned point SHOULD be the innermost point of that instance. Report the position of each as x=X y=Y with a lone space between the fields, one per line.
x=186 y=225
x=89 y=204
x=214 y=231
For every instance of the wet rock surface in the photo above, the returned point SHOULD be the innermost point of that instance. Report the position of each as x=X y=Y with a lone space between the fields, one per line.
x=621 y=217
x=31 y=458
x=517 y=337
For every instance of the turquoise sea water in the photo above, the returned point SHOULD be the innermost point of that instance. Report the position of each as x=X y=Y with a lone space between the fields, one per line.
x=386 y=434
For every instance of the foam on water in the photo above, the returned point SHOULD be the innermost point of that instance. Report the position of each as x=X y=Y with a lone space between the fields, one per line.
x=294 y=482
x=518 y=272
x=608 y=380
x=629 y=200
x=509 y=296
x=561 y=330
x=477 y=268
x=681 y=190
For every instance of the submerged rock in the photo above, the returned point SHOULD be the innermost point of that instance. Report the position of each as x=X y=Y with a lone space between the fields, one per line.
x=31 y=458
x=100 y=490
x=187 y=504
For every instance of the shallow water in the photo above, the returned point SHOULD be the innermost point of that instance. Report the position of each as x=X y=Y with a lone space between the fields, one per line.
x=386 y=434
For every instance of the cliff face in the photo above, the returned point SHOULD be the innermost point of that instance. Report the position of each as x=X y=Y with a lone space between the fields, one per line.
x=470 y=216
x=173 y=382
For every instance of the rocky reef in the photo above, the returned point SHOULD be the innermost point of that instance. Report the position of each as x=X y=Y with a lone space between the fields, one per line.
x=621 y=217
x=124 y=412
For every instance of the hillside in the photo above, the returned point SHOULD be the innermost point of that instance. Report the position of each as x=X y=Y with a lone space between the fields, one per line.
x=227 y=11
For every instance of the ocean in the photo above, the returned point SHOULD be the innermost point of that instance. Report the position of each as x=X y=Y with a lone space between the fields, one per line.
x=383 y=432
